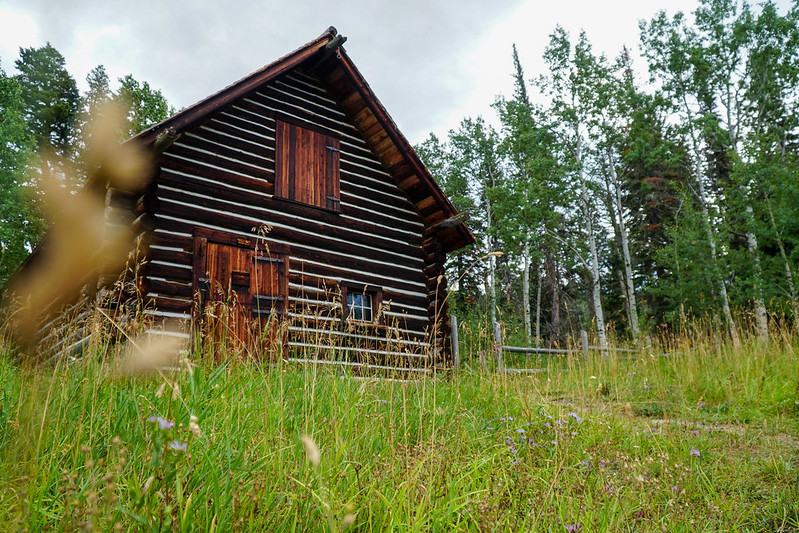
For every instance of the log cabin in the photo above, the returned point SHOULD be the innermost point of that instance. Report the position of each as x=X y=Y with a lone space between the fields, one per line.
x=288 y=206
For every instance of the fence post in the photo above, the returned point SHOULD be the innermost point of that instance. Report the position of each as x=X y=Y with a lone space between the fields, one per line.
x=456 y=354
x=498 y=345
x=584 y=340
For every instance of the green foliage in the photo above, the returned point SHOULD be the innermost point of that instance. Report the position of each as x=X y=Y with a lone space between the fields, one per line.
x=147 y=105
x=467 y=166
x=20 y=227
x=42 y=110
x=50 y=96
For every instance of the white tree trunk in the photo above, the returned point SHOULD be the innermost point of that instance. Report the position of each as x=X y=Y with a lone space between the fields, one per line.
x=596 y=287
x=711 y=238
x=625 y=250
x=491 y=291
x=538 y=308
x=786 y=264
x=526 y=292
x=761 y=316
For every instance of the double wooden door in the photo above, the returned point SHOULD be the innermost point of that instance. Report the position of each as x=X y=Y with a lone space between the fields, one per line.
x=242 y=287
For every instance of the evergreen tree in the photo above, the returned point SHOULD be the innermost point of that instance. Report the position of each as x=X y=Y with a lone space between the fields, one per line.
x=50 y=96
x=20 y=225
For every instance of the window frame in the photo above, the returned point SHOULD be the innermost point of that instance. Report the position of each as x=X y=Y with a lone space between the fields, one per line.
x=310 y=157
x=374 y=292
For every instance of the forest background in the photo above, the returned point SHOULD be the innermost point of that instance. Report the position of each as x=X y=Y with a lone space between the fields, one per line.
x=622 y=199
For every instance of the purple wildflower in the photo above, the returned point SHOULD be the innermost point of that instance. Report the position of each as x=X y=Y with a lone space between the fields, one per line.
x=602 y=464
x=163 y=423
x=695 y=452
x=584 y=463
x=178 y=446
x=573 y=527
x=695 y=432
x=520 y=431
x=576 y=417
x=675 y=489
x=489 y=427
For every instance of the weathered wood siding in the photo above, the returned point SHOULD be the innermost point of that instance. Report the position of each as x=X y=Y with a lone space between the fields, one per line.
x=221 y=175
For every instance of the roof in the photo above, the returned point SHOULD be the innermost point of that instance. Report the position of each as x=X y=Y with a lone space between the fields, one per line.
x=326 y=57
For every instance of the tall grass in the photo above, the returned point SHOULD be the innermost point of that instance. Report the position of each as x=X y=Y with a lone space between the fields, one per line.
x=704 y=439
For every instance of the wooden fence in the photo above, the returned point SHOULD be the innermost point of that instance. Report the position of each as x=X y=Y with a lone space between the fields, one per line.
x=499 y=349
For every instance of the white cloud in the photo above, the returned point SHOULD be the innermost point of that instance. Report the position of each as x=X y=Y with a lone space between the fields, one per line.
x=431 y=62
x=17 y=29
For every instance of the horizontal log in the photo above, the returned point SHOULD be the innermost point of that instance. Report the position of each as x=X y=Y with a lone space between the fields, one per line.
x=354 y=205
x=229 y=149
x=144 y=223
x=174 y=305
x=188 y=152
x=146 y=203
x=169 y=288
x=360 y=234
x=172 y=256
x=171 y=272
x=119 y=198
x=348 y=253
x=218 y=174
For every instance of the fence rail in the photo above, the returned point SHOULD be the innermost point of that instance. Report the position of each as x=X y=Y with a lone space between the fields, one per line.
x=499 y=349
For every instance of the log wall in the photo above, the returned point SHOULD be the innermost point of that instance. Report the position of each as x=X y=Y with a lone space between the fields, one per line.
x=220 y=175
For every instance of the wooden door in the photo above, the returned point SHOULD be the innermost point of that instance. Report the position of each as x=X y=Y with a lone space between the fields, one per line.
x=228 y=295
x=242 y=290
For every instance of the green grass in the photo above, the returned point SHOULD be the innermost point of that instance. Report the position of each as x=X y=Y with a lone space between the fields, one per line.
x=599 y=445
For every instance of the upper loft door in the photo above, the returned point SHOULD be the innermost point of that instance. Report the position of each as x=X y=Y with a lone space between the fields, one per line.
x=241 y=287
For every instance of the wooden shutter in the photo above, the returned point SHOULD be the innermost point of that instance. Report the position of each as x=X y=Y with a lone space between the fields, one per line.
x=284 y=157
x=332 y=199
x=306 y=166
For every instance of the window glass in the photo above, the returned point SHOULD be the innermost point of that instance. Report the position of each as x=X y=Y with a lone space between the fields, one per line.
x=360 y=306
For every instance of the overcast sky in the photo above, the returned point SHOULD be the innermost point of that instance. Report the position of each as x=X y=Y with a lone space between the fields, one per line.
x=430 y=62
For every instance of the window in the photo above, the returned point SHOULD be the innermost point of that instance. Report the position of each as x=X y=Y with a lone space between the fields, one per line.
x=361 y=302
x=360 y=306
x=306 y=166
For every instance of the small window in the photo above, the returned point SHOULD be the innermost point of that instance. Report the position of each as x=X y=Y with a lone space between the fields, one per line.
x=307 y=166
x=360 y=306
x=361 y=302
